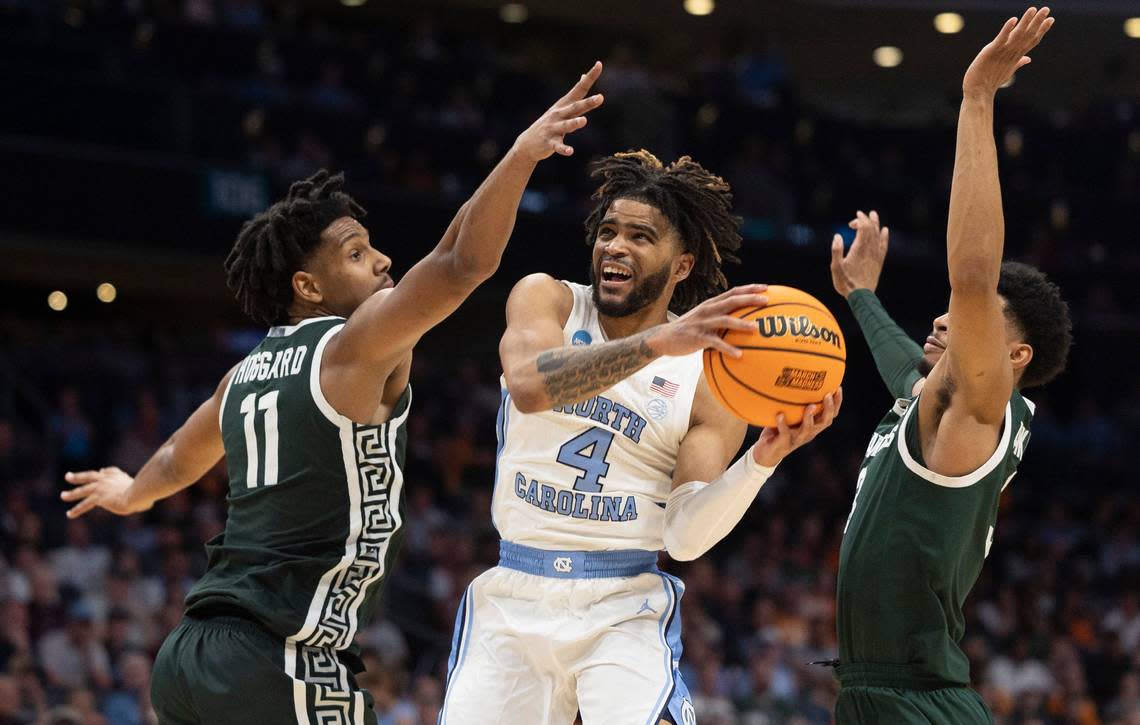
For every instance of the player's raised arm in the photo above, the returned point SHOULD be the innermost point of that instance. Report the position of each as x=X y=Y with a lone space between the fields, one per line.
x=541 y=372
x=380 y=332
x=182 y=460
x=855 y=275
x=977 y=368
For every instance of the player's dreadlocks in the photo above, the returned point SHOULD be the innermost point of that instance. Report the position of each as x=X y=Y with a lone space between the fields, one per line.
x=277 y=242
x=696 y=202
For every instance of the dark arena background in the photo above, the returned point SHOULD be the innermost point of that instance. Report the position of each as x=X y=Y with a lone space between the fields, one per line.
x=137 y=135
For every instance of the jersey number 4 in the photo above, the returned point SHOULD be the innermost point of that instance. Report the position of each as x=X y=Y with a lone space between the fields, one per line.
x=250 y=405
x=593 y=466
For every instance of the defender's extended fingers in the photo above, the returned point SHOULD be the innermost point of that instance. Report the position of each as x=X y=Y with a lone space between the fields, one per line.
x=577 y=108
x=83 y=507
x=1006 y=30
x=836 y=251
x=884 y=238
x=76 y=494
x=80 y=477
x=570 y=125
x=579 y=89
x=562 y=149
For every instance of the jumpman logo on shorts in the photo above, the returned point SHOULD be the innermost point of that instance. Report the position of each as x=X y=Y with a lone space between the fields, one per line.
x=646 y=608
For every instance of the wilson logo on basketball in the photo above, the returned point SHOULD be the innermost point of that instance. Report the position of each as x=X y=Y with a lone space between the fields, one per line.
x=801 y=379
x=801 y=327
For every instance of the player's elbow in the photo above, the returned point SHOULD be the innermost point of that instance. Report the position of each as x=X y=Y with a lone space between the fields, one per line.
x=474 y=268
x=527 y=398
x=679 y=549
x=975 y=273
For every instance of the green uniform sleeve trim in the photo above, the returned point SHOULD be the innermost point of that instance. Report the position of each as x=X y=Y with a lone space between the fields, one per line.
x=896 y=355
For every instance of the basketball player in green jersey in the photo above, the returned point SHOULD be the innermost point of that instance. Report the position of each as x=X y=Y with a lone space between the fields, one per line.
x=926 y=499
x=312 y=425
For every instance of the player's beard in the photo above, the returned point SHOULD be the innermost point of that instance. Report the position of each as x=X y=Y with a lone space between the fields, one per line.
x=924 y=366
x=643 y=294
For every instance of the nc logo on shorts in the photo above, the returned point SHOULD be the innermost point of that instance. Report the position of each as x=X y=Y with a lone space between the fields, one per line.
x=563 y=565
x=688 y=714
x=581 y=337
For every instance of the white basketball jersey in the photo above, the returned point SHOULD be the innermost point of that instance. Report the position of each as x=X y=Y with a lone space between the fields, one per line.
x=595 y=475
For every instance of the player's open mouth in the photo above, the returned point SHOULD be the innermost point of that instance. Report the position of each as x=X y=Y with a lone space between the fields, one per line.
x=614 y=275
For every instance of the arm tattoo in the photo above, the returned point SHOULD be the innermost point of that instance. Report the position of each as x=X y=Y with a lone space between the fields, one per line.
x=572 y=373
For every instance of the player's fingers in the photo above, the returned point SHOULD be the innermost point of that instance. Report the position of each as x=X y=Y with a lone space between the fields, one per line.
x=782 y=426
x=1025 y=60
x=735 y=302
x=80 y=477
x=76 y=494
x=717 y=343
x=836 y=251
x=82 y=507
x=577 y=108
x=728 y=322
x=1044 y=29
x=884 y=238
x=568 y=126
x=874 y=217
x=1006 y=29
x=579 y=89
x=563 y=150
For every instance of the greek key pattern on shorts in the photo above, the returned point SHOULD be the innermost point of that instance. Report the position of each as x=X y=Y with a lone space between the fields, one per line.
x=376 y=470
x=331 y=704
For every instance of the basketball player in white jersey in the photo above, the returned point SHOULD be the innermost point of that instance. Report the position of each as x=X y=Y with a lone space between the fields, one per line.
x=612 y=448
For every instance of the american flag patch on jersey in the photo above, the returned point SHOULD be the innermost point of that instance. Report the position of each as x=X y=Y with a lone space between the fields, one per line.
x=663 y=387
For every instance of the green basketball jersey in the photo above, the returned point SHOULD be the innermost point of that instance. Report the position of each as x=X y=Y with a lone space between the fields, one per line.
x=315 y=500
x=914 y=546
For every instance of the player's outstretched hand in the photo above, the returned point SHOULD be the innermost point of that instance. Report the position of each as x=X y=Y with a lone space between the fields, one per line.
x=546 y=136
x=1006 y=53
x=861 y=267
x=106 y=488
x=700 y=327
x=776 y=443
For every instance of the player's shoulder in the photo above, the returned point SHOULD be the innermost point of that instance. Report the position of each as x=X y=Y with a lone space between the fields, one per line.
x=542 y=290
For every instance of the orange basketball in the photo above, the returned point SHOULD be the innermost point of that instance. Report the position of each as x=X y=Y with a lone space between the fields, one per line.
x=795 y=355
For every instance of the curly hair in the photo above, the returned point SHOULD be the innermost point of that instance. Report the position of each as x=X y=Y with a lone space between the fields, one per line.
x=696 y=202
x=279 y=241
x=1035 y=305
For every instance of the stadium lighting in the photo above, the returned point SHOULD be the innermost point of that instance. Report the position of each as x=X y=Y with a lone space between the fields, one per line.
x=948 y=23
x=513 y=13
x=352 y=3
x=1132 y=27
x=57 y=300
x=887 y=56
x=106 y=292
x=700 y=7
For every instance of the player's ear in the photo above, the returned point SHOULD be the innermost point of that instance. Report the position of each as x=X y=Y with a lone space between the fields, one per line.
x=306 y=287
x=1020 y=354
x=683 y=267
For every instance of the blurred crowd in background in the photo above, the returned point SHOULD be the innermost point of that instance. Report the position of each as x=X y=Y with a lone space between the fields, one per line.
x=421 y=109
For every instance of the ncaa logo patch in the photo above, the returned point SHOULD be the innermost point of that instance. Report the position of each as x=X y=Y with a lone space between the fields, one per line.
x=563 y=565
x=657 y=409
x=688 y=714
x=581 y=337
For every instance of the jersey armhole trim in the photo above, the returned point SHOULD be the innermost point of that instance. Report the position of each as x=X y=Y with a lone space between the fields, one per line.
x=225 y=397
x=963 y=481
x=315 y=380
